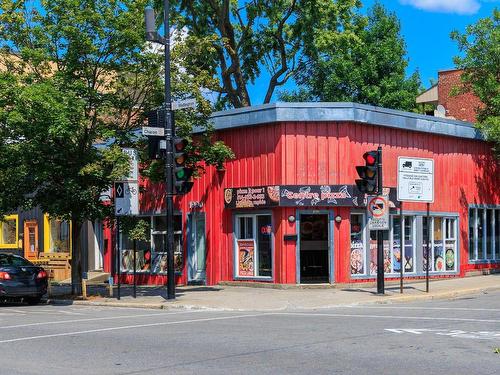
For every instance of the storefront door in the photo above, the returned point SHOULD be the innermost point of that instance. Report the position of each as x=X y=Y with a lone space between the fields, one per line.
x=196 y=248
x=30 y=239
x=314 y=247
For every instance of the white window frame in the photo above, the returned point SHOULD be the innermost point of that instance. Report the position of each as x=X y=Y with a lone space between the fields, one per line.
x=365 y=249
x=236 y=237
x=488 y=228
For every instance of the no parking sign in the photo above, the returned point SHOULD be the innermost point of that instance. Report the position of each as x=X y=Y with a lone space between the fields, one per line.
x=378 y=212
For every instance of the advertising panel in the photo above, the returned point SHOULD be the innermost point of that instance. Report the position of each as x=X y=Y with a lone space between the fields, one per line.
x=246 y=258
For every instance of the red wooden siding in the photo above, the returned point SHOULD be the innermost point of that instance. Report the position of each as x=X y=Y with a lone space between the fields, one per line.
x=326 y=153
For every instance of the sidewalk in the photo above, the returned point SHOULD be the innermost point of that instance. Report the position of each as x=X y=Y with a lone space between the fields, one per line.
x=242 y=298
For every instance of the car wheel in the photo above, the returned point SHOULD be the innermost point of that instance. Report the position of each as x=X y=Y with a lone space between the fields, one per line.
x=33 y=300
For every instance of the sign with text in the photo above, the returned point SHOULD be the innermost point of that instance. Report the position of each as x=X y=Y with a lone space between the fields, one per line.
x=377 y=208
x=251 y=197
x=151 y=131
x=415 y=179
x=183 y=104
x=246 y=258
x=126 y=198
x=317 y=195
x=133 y=174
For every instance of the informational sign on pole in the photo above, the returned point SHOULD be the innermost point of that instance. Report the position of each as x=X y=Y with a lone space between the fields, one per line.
x=126 y=198
x=415 y=179
x=183 y=104
x=378 y=212
x=133 y=174
x=151 y=131
x=127 y=190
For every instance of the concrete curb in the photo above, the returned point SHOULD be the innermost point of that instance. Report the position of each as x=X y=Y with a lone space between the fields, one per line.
x=178 y=306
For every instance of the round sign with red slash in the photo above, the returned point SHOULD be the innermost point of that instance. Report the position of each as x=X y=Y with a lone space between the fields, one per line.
x=378 y=206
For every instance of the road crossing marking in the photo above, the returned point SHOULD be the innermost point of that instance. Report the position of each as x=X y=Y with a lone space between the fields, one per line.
x=130 y=327
x=481 y=335
x=96 y=319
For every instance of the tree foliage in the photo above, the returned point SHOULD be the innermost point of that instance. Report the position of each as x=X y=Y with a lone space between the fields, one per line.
x=235 y=42
x=480 y=60
x=76 y=74
x=367 y=68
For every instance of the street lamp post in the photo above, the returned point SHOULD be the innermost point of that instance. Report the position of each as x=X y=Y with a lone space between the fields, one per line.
x=153 y=36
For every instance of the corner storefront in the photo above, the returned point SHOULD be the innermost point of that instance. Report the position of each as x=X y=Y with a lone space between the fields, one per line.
x=285 y=210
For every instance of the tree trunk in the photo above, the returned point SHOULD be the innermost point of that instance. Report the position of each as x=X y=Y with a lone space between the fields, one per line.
x=76 y=258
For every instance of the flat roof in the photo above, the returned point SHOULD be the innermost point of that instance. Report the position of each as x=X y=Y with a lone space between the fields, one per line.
x=329 y=111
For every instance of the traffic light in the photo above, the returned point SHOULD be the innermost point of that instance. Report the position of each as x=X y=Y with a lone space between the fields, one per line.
x=156 y=144
x=368 y=173
x=182 y=172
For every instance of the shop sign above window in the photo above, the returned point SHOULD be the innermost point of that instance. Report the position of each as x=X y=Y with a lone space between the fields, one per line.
x=252 y=197
x=299 y=195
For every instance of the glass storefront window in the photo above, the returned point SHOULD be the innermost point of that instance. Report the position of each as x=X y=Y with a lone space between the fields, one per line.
x=437 y=244
x=373 y=252
x=253 y=245
x=151 y=255
x=472 y=219
x=484 y=234
x=59 y=235
x=497 y=235
x=480 y=233
x=409 y=243
x=357 y=245
x=450 y=244
x=8 y=231
x=159 y=244
x=489 y=234
x=443 y=243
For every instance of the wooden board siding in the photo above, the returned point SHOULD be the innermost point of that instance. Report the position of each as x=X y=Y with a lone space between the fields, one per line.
x=327 y=153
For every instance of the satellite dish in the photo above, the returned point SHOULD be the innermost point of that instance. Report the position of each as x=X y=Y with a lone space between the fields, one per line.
x=440 y=111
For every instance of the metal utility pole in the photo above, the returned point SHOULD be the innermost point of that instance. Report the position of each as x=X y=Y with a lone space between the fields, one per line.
x=380 y=233
x=152 y=35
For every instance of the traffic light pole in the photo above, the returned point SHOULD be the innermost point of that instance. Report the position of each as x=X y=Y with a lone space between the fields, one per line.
x=380 y=233
x=169 y=157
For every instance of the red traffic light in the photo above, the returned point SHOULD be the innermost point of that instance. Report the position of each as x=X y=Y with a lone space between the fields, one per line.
x=370 y=157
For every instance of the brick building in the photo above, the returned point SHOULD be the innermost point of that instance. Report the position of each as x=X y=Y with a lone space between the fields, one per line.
x=445 y=102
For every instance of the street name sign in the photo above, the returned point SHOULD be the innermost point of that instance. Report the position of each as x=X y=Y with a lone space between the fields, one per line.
x=183 y=104
x=415 y=179
x=151 y=131
x=126 y=198
x=377 y=208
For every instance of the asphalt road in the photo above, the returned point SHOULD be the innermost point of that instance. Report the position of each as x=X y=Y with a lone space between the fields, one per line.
x=437 y=337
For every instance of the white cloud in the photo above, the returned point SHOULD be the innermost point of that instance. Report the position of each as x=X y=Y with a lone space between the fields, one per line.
x=446 y=6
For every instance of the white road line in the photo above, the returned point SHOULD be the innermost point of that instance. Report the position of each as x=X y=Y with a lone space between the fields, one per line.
x=390 y=317
x=98 y=319
x=419 y=308
x=129 y=327
x=16 y=311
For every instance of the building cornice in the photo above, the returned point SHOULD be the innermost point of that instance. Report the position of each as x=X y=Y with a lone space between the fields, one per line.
x=360 y=113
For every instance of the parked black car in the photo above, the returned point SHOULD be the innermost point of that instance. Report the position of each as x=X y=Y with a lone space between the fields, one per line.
x=21 y=279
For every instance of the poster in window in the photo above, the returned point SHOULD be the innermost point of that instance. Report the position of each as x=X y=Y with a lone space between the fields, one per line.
x=450 y=256
x=246 y=258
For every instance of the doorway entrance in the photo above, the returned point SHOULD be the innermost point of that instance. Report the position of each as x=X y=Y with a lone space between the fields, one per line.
x=314 y=241
x=30 y=239
x=196 y=248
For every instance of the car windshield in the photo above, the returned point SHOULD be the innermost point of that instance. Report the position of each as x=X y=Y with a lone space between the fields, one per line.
x=13 y=260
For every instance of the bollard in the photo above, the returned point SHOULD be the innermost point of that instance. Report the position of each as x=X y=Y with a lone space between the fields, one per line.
x=84 y=288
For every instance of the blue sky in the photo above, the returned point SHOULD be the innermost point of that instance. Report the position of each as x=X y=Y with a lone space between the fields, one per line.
x=426 y=27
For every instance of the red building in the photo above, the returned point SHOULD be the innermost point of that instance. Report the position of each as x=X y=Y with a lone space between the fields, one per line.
x=286 y=209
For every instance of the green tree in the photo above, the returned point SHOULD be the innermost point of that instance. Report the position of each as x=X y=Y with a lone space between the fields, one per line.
x=480 y=60
x=235 y=42
x=368 y=68
x=79 y=74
